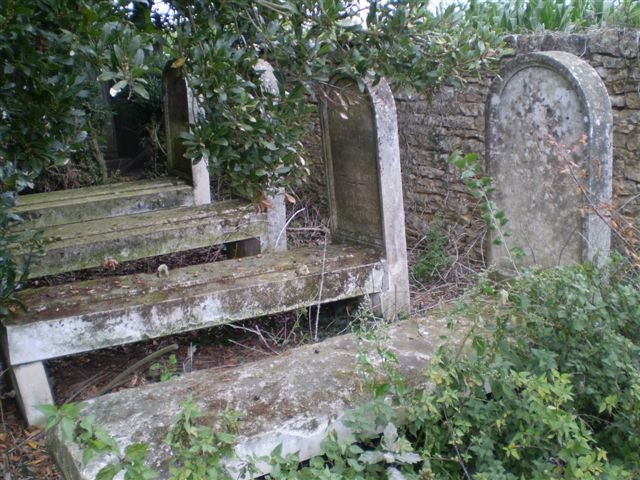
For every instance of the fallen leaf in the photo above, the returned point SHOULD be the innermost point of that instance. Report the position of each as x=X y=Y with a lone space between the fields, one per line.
x=110 y=263
x=38 y=460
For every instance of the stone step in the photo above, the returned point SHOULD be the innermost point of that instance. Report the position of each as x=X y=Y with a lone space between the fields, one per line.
x=293 y=400
x=73 y=318
x=90 y=243
x=41 y=210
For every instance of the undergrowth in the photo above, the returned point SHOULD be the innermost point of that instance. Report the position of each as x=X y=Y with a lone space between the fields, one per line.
x=545 y=385
x=433 y=259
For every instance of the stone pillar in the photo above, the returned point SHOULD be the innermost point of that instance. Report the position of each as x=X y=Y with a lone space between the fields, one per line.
x=275 y=238
x=180 y=108
x=32 y=388
x=362 y=157
x=549 y=154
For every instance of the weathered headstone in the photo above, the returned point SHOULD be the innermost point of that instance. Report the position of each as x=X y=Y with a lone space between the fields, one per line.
x=362 y=157
x=549 y=154
x=180 y=109
x=180 y=112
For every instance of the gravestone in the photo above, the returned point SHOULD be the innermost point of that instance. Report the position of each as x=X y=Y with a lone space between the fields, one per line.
x=362 y=157
x=268 y=81
x=549 y=154
x=180 y=110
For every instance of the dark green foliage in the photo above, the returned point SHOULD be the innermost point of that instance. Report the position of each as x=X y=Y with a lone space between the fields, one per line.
x=94 y=440
x=253 y=137
x=551 y=389
x=51 y=110
x=200 y=443
x=586 y=324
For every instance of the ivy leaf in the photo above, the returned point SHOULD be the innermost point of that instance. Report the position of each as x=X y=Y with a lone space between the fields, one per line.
x=107 y=76
x=372 y=457
x=136 y=452
x=178 y=62
x=140 y=90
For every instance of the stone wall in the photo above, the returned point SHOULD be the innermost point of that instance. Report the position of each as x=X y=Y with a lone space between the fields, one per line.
x=454 y=120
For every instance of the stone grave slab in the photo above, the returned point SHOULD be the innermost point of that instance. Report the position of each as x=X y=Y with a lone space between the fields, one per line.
x=293 y=400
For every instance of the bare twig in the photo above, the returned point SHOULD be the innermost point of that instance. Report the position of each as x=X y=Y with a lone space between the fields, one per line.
x=257 y=332
x=324 y=258
x=284 y=229
x=251 y=348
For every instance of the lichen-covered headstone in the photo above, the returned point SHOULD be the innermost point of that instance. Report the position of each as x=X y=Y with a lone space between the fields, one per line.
x=549 y=154
x=362 y=156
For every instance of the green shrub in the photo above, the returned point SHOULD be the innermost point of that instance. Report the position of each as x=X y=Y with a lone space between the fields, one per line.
x=550 y=388
x=547 y=388
x=433 y=259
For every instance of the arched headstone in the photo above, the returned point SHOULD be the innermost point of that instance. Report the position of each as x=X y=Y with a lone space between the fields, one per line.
x=180 y=110
x=549 y=154
x=362 y=156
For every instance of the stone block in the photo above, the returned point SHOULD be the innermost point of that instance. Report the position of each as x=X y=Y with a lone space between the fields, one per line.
x=67 y=319
x=618 y=101
x=87 y=244
x=42 y=210
x=293 y=400
x=605 y=42
x=629 y=42
x=632 y=100
x=32 y=388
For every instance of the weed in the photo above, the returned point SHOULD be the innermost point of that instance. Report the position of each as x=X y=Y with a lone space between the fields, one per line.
x=93 y=440
x=167 y=370
x=200 y=443
x=433 y=259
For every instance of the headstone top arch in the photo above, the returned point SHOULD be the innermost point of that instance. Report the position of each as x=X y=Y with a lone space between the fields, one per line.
x=549 y=154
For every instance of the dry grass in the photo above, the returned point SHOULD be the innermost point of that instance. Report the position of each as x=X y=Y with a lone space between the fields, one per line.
x=464 y=247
